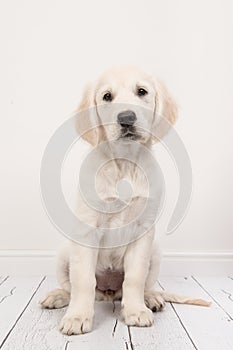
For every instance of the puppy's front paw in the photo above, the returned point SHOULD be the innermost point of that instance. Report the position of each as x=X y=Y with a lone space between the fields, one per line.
x=76 y=324
x=140 y=317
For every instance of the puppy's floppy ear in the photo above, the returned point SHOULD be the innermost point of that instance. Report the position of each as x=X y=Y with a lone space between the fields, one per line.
x=88 y=123
x=166 y=111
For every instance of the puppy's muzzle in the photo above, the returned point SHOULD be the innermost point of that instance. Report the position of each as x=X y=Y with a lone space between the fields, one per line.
x=126 y=118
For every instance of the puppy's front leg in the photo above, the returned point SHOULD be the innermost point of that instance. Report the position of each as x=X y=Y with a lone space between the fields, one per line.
x=136 y=266
x=79 y=316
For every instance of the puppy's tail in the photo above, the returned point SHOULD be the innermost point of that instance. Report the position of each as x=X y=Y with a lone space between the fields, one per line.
x=179 y=299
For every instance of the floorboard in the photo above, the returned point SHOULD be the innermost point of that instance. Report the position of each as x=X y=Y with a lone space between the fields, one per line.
x=221 y=291
x=25 y=326
x=38 y=329
x=3 y=279
x=15 y=294
x=166 y=333
x=209 y=327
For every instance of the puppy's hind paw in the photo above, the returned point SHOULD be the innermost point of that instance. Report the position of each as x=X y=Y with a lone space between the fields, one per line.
x=55 y=299
x=154 y=301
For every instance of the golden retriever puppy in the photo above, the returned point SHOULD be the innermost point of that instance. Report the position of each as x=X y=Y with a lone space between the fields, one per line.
x=121 y=114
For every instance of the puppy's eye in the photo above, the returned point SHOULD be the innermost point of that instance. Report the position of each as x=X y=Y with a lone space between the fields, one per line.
x=107 y=97
x=141 y=92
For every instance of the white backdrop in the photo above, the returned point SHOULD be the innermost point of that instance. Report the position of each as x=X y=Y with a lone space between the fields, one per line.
x=50 y=49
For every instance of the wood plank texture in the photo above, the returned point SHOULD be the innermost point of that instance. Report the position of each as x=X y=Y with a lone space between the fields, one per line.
x=220 y=289
x=209 y=327
x=3 y=279
x=167 y=332
x=15 y=294
x=25 y=326
x=38 y=329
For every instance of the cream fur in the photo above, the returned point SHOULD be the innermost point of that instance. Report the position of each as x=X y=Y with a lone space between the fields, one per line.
x=78 y=266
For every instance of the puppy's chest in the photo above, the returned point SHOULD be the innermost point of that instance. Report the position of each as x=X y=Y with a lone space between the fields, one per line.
x=110 y=259
x=124 y=182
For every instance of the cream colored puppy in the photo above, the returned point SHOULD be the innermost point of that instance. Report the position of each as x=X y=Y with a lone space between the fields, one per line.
x=125 y=106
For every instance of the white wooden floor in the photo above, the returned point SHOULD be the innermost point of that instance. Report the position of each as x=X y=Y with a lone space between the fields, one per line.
x=23 y=325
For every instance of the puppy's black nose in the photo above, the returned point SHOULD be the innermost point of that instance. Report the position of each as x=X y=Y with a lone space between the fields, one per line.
x=126 y=118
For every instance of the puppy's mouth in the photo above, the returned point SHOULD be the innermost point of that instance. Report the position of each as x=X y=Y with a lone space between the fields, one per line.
x=129 y=133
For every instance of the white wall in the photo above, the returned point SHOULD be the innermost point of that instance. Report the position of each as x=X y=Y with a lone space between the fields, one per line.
x=50 y=49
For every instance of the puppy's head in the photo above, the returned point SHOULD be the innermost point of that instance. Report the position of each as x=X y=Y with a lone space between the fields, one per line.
x=125 y=104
